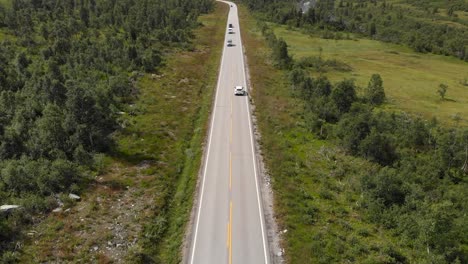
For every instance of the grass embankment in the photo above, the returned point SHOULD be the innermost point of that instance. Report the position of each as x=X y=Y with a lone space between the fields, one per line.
x=205 y=69
x=136 y=211
x=410 y=79
x=316 y=188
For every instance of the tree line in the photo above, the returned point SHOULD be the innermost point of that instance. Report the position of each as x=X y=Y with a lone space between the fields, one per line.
x=67 y=71
x=418 y=185
x=375 y=19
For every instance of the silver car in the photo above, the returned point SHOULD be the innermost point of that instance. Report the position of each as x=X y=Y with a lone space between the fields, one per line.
x=239 y=90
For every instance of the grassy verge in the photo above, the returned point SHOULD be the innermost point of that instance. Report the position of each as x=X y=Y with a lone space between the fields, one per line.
x=137 y=209
x=410 y=79
x=317 y=192
x=212 y=36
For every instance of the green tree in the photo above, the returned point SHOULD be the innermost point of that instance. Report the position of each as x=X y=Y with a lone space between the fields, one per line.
x=280 y=54
x=296 y=76
x=22 y=63
x=48 y=137
x=442 y=90
x=372 y=29
x=354 y=127
x=344 y=95
x=378 y=147
x=450 y=11
x=84 y=15
x=322 y=87
x=387 y=186
x=375 y=93
x=307 y=87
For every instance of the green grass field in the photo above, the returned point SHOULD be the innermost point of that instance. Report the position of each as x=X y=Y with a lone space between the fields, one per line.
x=441 y=16
x=410 y=79
x=5 y=3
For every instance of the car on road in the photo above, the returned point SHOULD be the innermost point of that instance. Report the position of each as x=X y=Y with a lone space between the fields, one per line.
x=239 y=90
x=229 y=43
x=230 y=31
x=230 y=26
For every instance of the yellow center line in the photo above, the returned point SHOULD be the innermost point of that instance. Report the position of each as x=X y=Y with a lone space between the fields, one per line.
x=230 y=131
x=230 y=153
x=230 y=170
x=230 y=189
x=228 y=239
x=230 y=233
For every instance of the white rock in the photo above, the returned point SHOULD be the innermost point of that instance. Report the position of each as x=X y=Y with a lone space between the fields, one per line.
x=74 y=196
x=57 y=210
x=8 y=207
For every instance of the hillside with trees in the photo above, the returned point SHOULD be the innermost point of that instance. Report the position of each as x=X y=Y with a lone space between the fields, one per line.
x=355 y=182
x=422 y=27
x=68 y=70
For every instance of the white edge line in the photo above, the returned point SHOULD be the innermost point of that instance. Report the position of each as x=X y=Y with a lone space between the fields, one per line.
x=256 y=185
x=253 y=150
x=208 y=150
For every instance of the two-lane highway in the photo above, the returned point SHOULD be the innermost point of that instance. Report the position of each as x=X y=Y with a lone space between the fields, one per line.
x=229 y=225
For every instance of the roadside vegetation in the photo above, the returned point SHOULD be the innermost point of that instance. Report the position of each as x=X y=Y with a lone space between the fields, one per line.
x=104 y=100
x=411 y=79
x=354 y=181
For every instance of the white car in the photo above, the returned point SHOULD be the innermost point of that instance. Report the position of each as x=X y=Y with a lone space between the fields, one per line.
x=239 y=90
x=229 y=43
x=230 y=31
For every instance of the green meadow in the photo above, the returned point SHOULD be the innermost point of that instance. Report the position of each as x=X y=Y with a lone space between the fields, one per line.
x=5 y=3
x=424 y=12
x=411 y=79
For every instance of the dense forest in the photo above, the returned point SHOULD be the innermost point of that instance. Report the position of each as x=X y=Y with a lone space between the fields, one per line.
x=67 y=72
x=424 y=30
x=417 y=185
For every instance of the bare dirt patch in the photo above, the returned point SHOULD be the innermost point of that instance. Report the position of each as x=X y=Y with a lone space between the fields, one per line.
x=102 y=227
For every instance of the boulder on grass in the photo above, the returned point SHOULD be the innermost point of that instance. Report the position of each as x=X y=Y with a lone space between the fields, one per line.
x=74 y=197
x=8 y=207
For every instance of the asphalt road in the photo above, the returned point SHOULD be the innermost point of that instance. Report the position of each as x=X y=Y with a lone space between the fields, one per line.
x=229 y=224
